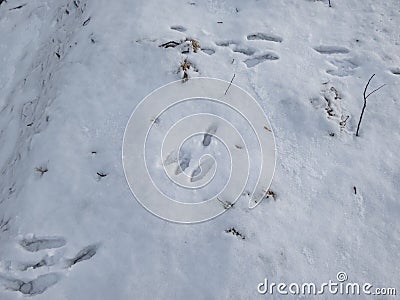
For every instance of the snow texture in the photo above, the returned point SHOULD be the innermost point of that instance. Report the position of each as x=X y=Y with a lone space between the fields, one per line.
x=71 y=73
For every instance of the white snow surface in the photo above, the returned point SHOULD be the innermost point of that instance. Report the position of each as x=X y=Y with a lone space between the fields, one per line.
x=72 y=72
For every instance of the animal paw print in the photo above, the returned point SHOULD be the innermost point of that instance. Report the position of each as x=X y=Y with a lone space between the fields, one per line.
x=178 y=28
x=395 y=71
x=342 y=66
x=253 y=56
x=252 y=62
x=259 y=36
x=52 y=259
x=182 y=159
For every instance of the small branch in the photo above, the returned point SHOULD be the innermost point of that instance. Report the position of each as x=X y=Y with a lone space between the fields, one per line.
x=364 y=106
x=230 y=83
x=170 y=44
x=18 y=7
x=377 y=89
x=329 y=1
x=86 y=22
x=365 y=101
x=226 y=204
x=366 y=87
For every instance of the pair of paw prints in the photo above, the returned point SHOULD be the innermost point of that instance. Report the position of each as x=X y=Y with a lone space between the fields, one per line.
x=13 y=273
x=342 y=64
x=252 y=55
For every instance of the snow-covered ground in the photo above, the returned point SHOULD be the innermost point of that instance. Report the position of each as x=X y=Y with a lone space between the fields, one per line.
x=72 y=72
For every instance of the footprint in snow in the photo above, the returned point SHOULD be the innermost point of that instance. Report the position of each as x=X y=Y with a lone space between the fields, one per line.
x=252 y=62
x=331 y=49
x=178 y=28
x=395 y=71
x=254 y=58
x=51 y=259
x=342 y=66
x=208 y=51
x=264 y=37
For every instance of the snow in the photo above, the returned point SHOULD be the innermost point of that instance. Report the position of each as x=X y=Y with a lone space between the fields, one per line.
x=174 y=140
x=67 y=93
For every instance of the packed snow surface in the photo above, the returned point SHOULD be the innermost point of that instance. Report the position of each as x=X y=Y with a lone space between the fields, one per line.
x=72 y=72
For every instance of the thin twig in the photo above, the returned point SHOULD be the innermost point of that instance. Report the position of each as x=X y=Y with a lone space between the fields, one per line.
x=230 y=83
x=366 y=87
x=18 y=7
x=377 y=89
x=365 y=101
x=365 y=104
